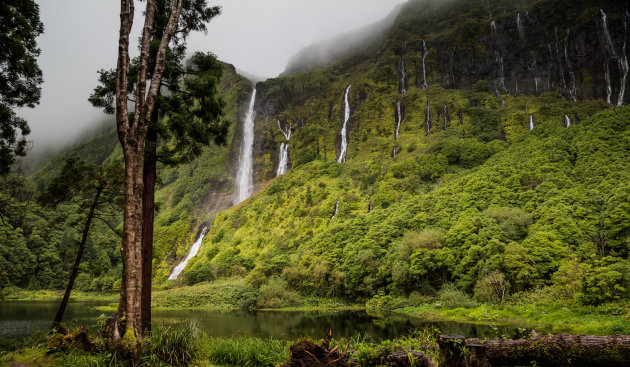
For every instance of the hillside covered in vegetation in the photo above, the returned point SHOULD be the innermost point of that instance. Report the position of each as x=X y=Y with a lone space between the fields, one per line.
x=484 y=149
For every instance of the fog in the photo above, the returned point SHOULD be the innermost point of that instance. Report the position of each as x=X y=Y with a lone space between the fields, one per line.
x=258 y=37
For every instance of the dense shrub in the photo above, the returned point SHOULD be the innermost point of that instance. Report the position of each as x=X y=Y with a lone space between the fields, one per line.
x=276 y=293
x=451 y=297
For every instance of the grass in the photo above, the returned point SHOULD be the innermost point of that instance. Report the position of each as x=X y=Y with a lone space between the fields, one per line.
x=246 y=351
x=17 y=294
x=224 y=294
x=550 y=318
x=369 y=352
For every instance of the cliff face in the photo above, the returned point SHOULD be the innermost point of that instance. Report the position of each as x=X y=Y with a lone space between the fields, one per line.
x=526 y=47
x=578 y=49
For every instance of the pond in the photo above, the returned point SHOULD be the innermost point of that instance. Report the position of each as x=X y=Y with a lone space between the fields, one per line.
x=19 y=319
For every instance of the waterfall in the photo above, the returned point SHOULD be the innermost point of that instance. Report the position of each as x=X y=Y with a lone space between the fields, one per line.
x=519 y=25
x=398 y=118
x=344 y=133
x=623 y=65
x=609 y=43
x=608 y=83
x=623 y=62
x=573 y=90
x=283 y=160
x=531 y=122
x=192 y=253
x=493 y=27
x=621 y=59
x=336 y=209
x=403 y=76
x=567 y=121
x=499 y=60
x=428 y=118
x=244 y=176
x=424 y=65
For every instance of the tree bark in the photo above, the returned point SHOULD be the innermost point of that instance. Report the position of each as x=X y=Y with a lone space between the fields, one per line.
x=148 y=209
x=550 y=350
x=75 y=269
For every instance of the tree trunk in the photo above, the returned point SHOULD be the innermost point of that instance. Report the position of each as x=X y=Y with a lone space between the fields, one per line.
x=132 y=135
x=148 y=209
x=132 y=240
x=550 y=350
x=75 y=269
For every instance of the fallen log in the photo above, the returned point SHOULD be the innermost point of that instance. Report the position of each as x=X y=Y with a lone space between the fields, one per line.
x=550 y=350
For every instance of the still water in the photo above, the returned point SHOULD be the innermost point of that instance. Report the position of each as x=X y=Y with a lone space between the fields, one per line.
x=22 y=318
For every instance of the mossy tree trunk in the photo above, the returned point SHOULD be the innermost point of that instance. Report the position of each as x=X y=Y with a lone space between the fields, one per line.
x=549 y=350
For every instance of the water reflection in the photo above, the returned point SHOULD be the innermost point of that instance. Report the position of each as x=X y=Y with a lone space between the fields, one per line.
x=22 y=318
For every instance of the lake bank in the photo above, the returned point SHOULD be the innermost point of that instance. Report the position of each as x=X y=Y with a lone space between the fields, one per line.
x=529 y=311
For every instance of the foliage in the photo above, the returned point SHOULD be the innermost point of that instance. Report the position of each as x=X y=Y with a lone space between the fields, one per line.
x=368 y=352
x=20 y=76
x=247 y=351
x=173 y=346
x=451 y=297
x=276 y=294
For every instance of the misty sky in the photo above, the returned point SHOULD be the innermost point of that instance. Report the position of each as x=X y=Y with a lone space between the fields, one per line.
x=257 y=36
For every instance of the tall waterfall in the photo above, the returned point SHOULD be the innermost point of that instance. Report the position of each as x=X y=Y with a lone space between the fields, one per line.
x=499 y=60
x=397 y=131
x=192 y=253
x=336 y=210
x=424 y=65
x=608 y=83
x=573 y=89
x=531 y=122
x=244 y=176
x=428 y=118
x=567 y=121
x=344 y=132
x=609 y=43
x=493 y=27
x=283 y=165
x=398 y=118
x=403 y=76
x=519 y=25
x=623 y=62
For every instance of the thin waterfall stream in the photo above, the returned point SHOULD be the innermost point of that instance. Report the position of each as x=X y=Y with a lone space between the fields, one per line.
x=283 y=160
x=192 y=253
x=344 y=129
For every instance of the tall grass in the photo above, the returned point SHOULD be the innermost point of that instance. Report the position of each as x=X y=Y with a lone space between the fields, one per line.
x=173 y=346
x=247 y=351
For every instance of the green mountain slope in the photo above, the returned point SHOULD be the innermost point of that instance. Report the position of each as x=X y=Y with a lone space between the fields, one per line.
x=447 y=209
x=471 y=196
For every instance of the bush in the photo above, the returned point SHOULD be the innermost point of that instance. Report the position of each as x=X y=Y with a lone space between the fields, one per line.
x=276 y=293
x=199 y=272
x=451 y=297
x=492 y=288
